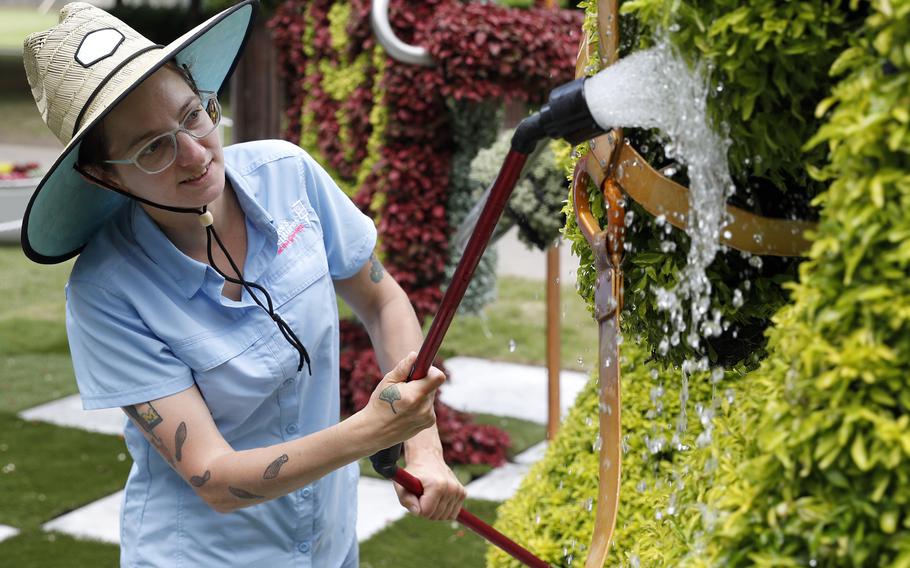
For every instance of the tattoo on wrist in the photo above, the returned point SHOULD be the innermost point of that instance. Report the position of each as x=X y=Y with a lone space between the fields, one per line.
x=271 y=472
x=198 y=481
x=179 y=439
x=376 y=269
x=390 y=394
x=243 y=493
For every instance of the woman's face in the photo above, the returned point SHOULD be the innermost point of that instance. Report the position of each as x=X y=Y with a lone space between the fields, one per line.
x=158 y=106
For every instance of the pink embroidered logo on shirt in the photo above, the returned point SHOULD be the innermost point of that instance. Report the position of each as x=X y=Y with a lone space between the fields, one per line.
x=288 y=229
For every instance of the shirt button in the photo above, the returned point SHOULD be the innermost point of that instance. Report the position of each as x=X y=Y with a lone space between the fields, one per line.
x=291 y=428
x=303 y=547
x=307 y=492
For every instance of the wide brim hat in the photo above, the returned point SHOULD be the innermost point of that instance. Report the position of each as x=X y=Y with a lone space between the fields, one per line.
x=78 y=71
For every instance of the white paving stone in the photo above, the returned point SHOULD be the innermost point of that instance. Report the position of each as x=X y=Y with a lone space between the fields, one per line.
x=68 y=412
x=7 y=532
x=500 y=484
x=533 y=454
x=506 y=389
x=377 y=506
x=96 y=521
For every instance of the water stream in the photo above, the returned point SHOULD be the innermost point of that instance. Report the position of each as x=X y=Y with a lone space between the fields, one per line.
x=655 y=88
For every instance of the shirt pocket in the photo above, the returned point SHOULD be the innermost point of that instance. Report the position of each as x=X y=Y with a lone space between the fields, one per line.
x=235 y=368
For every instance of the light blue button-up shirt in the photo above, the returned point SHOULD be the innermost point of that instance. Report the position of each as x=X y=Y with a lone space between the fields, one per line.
x=145 y=321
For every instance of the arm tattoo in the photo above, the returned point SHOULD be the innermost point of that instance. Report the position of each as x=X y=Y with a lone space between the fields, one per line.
x=147 y=419
x=243 y=493
x=200 y=481
x=271 y=472
x=376 y=269
x=179 y=439
x=390 y=394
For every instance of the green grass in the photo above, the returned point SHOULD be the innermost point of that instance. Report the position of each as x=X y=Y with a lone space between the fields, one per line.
x=35 y=458
x=514 y=328
x=17 y=23
x=417 y=542
x=37 y=549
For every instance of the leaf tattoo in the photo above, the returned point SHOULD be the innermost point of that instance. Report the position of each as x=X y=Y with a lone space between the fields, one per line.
x=390 y=394
x=179 y=439
x=243 y=493
x=271 y=472
x=200 y=481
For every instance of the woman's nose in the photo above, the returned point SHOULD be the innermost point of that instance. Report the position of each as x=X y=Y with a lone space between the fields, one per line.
x=190 y=151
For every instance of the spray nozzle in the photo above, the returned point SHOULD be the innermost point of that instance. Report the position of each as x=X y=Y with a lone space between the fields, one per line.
x=566 y=115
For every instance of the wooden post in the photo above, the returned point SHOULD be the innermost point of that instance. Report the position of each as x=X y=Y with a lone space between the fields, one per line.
x=553 y=340
x=255 y=94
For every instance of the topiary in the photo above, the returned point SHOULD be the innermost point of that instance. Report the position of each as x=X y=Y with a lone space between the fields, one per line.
x=811 y=467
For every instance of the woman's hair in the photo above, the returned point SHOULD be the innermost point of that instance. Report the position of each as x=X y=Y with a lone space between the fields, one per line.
x=93 y=150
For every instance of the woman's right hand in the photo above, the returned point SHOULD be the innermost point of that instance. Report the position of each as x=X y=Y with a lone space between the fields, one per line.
x=398 y=409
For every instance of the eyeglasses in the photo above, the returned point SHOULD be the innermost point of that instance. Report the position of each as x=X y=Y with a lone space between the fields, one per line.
x=160 y=153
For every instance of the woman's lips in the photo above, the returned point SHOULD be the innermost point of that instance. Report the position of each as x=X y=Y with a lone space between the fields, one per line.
x=201 y=179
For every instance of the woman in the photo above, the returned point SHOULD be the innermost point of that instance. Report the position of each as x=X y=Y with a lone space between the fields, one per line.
x=203 y=304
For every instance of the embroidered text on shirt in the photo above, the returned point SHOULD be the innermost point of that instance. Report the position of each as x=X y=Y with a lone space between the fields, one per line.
x=288 y=229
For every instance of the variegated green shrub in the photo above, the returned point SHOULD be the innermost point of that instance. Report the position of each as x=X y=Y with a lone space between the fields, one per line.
x=810 y=465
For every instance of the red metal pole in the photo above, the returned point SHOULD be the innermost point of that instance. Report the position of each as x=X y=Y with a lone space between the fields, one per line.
x=499 y=195
x=496 y=202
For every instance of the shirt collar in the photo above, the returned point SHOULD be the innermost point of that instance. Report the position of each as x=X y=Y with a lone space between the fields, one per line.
x=188 y=273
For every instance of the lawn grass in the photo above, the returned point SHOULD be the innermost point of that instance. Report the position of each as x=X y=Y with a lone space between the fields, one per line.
x=37 y=549
x=513 y=328
x=16 y=23
x=417 y=542
x=47 y=470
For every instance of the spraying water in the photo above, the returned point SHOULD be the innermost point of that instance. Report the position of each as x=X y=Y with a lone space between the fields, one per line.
x=655 y=88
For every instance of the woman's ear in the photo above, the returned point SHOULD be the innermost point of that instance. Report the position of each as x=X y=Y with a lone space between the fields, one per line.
x=97 y=175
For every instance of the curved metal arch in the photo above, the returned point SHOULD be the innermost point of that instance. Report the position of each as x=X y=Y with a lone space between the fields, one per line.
x=397 y=49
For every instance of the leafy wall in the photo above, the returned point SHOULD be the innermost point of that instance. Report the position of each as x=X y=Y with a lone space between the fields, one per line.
x=384 y=131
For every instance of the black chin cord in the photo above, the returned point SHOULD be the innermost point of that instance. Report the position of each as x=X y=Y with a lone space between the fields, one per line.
x=208 y=221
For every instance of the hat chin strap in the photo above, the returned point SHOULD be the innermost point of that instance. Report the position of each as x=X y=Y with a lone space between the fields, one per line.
x=207 y=220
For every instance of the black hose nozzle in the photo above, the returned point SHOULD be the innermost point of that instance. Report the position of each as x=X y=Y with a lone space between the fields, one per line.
x=566 y=115
x=385 y=462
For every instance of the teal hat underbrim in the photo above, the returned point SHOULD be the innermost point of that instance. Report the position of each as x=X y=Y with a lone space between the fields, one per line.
x=65 y=210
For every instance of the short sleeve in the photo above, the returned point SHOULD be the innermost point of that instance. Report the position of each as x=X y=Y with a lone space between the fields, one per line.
x=349 y=236
x=117 y=360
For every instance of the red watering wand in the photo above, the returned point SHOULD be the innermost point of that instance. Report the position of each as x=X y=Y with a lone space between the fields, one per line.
x=565 y=115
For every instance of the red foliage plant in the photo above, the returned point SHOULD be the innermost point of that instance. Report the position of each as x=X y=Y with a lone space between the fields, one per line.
x=482 y=52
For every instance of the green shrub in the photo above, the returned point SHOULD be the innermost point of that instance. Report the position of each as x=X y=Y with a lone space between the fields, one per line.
x=809 y=466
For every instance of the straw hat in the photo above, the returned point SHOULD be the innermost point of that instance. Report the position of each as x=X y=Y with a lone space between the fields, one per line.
x=78 y=71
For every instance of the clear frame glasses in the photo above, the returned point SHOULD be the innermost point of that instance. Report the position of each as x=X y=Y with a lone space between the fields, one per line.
x=158 y=155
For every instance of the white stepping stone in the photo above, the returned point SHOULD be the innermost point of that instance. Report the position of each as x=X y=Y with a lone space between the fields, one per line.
x=377 y=507
x=96 y=521
x=68 y=412
x=7 y=532
x=500 y=484
x=506 y=389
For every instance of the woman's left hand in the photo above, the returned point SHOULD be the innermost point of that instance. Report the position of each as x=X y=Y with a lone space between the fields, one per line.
x=442 y=496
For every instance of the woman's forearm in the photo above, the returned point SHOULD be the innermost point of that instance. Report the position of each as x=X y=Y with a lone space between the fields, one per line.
x=239 y=479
